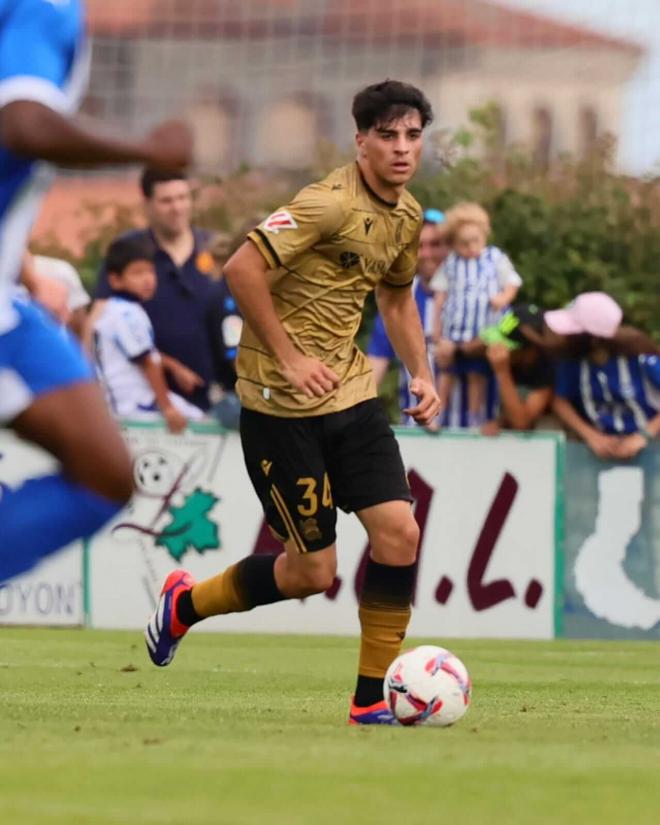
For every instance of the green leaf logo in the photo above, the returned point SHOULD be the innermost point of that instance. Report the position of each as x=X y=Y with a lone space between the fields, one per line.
x=190 y=527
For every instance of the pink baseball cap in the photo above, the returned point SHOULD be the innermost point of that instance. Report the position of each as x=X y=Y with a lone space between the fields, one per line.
x=592 y=312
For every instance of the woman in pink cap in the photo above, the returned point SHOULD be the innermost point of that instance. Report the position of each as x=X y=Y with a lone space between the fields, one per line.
x=608 y=387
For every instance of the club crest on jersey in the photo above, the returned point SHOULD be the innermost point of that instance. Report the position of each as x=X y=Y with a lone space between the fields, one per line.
x=279 y=220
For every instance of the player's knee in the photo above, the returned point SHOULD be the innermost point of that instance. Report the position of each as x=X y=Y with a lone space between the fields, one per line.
x=398 y=544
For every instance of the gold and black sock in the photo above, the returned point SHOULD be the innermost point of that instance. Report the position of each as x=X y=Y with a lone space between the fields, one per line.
x=246 y=584
x=384 y=615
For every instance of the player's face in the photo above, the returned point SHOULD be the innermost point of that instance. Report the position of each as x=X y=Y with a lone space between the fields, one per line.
x=469 y=241
x=169 y=208
x=139 y=278
x=432 y=251
x=391 y=151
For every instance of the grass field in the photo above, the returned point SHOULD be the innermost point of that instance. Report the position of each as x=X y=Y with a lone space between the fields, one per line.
x=251 y=729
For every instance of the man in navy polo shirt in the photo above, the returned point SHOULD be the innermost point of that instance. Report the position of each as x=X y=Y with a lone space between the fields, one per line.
x=182 y=310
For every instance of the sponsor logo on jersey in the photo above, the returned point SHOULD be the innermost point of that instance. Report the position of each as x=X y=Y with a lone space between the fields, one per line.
x=368 y=223
x=279 y=220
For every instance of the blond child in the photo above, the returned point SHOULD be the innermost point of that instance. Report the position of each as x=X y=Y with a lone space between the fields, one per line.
x=473 y=288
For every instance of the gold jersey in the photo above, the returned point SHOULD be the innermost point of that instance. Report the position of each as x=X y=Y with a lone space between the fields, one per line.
x=326 y=251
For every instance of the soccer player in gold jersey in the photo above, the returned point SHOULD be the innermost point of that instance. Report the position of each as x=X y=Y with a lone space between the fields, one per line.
x=313 y=432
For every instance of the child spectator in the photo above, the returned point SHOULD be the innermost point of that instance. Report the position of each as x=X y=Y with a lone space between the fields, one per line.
x=474 y=286
x=608 y=382
x=127 y=362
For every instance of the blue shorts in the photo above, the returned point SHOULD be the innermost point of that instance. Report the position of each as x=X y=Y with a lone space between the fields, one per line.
x=36 y=356
x=463 y=365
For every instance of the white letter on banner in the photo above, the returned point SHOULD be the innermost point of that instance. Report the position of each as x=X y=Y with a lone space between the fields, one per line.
x=599 y=573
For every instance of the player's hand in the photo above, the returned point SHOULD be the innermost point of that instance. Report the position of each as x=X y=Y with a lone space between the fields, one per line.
x=445 y=352
x=630 y=445
x=175 y=420
x=499 y=356
x=428 y=406
x=170 y=146
x=604 y=446
x=309 y=375
x=188 y=380
x=499 y=301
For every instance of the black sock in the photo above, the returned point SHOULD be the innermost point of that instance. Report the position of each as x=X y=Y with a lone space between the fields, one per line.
x=185 y=610
x=368 y=691
x=255 y=576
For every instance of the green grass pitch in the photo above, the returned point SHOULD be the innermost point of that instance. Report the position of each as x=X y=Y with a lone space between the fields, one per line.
x=252 y=729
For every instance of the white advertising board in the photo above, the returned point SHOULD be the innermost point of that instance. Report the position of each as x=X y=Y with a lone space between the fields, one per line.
x=51 y=593
x=487 y=559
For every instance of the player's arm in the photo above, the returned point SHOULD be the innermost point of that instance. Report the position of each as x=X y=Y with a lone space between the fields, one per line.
x=246 y=274
x=400 y=316
x=152 y=368
x=35 y=130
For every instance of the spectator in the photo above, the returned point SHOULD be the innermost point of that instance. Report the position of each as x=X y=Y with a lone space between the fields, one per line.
x=523 y=371
x=127 y=362
x=431 y=253
x=474 y=286
x=179 y=309
x=225 y=327
x=608 y=383
x=77 y=299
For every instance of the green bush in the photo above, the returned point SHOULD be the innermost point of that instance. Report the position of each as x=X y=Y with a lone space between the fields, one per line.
x=573 y=226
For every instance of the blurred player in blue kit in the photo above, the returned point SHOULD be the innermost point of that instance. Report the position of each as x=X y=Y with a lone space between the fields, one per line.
x=47 y=391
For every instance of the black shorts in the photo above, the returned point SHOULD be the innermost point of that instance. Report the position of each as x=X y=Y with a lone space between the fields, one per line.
x=304 y=468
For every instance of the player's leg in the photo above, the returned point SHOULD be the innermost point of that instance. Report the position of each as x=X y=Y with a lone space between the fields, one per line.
x=286 y=468
x=47 y=395
x=386 y=597
x=368 y=477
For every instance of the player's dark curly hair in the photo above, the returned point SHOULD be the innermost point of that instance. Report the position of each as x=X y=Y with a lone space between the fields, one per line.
x=125 y=250
x=381 y=103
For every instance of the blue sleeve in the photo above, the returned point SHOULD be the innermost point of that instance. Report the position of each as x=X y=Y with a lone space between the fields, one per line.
x=38 y=43
x=567 y=379
x=379 y=343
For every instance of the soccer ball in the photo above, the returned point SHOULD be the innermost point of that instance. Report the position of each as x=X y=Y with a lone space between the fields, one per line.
x=427 y=686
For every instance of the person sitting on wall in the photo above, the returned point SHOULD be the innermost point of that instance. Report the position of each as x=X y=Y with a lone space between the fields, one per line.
x=607 y=386
x=126 y=359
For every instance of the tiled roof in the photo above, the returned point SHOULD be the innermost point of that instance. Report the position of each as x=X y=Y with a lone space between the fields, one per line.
x=461 y=22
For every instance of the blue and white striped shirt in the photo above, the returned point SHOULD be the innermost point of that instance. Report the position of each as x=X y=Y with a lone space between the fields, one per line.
x=44 y=59
x=470 y=283
x=618 y=397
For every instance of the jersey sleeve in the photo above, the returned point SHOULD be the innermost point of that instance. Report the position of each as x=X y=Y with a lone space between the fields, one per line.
x=38 y=40
x=379 y=344
x=506 y=274
x=313 y=215
x=133 y=332
x=403 y=269
x=650 y=365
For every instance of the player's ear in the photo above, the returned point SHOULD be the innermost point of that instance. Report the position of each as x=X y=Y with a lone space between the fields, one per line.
x=359 y=142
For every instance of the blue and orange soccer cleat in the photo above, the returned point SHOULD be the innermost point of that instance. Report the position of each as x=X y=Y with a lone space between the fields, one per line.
x=165 y=631
x=376 y=714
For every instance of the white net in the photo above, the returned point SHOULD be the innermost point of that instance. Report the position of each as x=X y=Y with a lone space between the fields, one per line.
x=270 y=82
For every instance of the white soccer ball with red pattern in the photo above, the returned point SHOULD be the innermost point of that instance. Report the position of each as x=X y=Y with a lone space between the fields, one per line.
x=427 y=686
